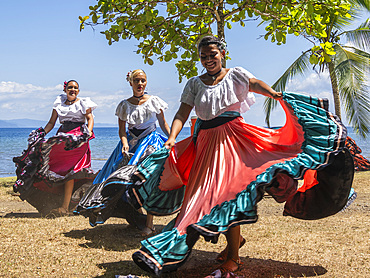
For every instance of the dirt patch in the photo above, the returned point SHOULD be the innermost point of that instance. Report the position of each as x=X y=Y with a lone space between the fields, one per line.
x=277 y=246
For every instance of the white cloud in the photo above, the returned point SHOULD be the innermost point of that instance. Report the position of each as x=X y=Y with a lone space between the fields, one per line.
x=34 y=102
x=314 y=84
x=20 y=101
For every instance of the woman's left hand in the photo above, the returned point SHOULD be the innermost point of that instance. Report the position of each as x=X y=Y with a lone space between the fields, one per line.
x=169 y=144
x=277 y=95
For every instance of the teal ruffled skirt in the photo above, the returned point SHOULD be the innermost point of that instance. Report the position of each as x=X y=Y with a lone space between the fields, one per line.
x=216 y=183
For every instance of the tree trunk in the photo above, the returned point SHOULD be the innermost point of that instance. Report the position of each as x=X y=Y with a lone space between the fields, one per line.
x=334 y=85
x=221 y=26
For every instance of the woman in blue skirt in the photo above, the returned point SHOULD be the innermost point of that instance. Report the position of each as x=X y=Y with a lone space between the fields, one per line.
x=137 y=117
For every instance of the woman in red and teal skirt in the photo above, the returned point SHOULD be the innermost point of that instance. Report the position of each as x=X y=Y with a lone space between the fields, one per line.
x=215 y=178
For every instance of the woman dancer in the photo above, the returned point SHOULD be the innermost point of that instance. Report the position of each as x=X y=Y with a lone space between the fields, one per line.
x=137 y=118
x=228 y=164
x=62 y=158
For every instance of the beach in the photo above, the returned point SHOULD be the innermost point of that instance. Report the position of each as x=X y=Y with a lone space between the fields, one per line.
x=277 y=246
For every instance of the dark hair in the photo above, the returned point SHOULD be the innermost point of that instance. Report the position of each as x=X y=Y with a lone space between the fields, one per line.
x=67 y=82
x=207 y=40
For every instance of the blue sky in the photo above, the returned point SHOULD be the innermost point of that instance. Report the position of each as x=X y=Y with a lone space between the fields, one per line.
x=41 y=46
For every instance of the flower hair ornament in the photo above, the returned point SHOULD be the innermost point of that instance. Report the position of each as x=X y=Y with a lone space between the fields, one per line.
x=223 y=44
x=65 y=85
x=128 y=76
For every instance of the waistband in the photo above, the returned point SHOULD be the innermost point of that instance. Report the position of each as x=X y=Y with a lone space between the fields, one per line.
x=68 y=125
x=136 y=131
x=215 y=122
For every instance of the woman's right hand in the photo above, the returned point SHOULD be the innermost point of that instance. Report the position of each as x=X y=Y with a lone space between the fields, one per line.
x=125 y=148
x=169 y=144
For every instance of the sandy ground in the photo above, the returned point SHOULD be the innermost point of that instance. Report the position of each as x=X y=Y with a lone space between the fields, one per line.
x=277 y=246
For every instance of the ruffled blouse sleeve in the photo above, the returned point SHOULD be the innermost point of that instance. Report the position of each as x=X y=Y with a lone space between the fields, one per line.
x=156 y=105
x=240 y=78
x=242 y=74
x=87 y=103
x=59 y=100
x=189 y=92
x=122 y=110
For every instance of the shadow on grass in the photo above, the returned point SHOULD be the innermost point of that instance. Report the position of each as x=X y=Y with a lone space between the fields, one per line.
x=121 y=268
x=23 y=215
x=111 y=237
x=201 y=263
x=259 y=268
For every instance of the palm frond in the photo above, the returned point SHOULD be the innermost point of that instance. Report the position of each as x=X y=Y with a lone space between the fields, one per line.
x=357 y=51
x=364 y=4
x=268 y=106
x=360 y=37
x=298 y=67
x=357 y=7
x=351 y=71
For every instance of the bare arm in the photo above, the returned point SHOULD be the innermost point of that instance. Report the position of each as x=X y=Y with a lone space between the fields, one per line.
x=163 y=124
x=123 y=135
x=50 y=125
x=177 y=124
x=260 y=87
x=90 y=120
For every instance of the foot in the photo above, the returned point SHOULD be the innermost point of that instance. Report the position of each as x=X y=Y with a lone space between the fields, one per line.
x=222 y=256
x=230 y=265
x=227 y=269
x=147 y=231
x=58 y=212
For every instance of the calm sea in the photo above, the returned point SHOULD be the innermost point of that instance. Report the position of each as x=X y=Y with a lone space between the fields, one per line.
x=14 y=140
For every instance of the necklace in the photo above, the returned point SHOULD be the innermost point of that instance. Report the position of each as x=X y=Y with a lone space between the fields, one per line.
x=139 y=97
x=71 y=101
x=214 y=76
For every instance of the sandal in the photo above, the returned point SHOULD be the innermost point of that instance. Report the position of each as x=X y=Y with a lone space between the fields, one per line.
x=225 y=272
x=222 y=256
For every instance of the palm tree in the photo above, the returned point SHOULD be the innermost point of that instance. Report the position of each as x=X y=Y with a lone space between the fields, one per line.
x=348 y=69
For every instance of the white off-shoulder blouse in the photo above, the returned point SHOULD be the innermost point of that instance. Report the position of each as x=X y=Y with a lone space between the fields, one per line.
x=230 y=94
x=143 y=115
x=75 y=112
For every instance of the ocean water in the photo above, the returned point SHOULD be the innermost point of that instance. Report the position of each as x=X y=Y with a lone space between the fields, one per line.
x=14 y=140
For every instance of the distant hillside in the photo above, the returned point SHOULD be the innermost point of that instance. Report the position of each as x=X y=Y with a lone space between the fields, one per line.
x=29 y=123
x=5 y=124
x=22 y=123
x=105 y=125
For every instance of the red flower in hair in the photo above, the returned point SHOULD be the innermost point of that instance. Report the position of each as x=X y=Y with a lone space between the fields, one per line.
x=128 y=76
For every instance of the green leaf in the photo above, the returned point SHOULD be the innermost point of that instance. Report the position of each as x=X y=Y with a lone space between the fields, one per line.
x=170 y=30
x=310 y=9
x=313 y=59
x=150 y=61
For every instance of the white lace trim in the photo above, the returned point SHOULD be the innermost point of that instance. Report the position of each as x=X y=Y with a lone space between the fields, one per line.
x=75 y=111
x=138 y=114
x=230 y=94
